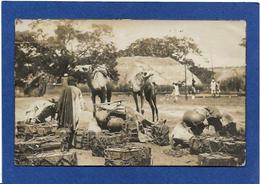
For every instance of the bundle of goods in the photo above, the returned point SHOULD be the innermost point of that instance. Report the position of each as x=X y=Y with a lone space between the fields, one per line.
x=128 y=155
x=217 y=159
x=40 y=110
x=160 y=134
x=115 y=117
x=46 y=150
x=54 y=158
x=27 y=131
x=131 y=130
x=115 y=124
x=38 y=145
x=177 y=152
x=83 y=139
x=66 y=137
x=137 y=126
x=115 y=108
x=230 y=146
x=106 y=111
x=104 y=140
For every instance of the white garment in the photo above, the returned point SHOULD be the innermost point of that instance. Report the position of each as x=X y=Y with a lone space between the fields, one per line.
x=213 y=87
x=35 y=109
x=176 y=89
x=78 y=103
x=181 y=132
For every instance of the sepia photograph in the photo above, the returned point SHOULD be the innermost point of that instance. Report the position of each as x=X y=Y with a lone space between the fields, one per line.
x=124 y=92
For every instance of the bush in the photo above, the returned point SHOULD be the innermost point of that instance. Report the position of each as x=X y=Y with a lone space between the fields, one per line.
x=121 y=88
x=233 y=84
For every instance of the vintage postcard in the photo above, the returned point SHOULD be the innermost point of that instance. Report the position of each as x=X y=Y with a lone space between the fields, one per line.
x=130 y=92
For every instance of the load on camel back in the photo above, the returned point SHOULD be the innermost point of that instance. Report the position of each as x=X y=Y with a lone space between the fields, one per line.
x=99 y=81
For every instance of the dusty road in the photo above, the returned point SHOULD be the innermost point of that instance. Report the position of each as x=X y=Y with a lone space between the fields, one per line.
x=167 y=110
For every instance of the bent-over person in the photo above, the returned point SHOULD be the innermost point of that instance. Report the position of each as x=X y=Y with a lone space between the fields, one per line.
x=195 y=121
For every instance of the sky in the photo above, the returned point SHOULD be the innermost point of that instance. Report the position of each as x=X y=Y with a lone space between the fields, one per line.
x=218 y=40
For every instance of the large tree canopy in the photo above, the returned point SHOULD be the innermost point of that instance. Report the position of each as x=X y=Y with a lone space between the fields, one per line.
x=177 y=48
x=57 y=54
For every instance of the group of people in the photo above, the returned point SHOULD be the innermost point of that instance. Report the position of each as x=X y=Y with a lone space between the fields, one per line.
x=215 y=88
x=176 y=90
x=207 y=121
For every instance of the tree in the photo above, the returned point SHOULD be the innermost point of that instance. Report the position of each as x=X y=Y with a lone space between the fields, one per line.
x=29 y=54
x=233 y=84
x=55 y=55
x=92 y=49
x=176 y=48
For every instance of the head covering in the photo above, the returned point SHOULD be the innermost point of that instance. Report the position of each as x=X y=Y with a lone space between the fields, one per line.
x=72 y=81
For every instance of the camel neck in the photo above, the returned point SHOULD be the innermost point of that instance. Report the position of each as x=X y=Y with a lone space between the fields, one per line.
x=89 y=81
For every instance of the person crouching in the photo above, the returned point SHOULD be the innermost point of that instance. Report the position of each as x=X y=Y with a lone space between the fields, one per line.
x=194 y=123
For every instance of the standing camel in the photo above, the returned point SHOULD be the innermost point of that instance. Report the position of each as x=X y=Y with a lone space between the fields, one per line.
x=143 y=87
x=99 y=82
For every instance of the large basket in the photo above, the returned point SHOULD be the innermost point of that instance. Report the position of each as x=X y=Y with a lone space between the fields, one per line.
x=128 y=155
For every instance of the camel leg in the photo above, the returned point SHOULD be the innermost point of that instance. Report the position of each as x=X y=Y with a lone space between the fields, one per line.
x=109 y=95
x=93 y=98
x=152 y=106
x=142 y=102
x=136 y=101
x=102 y=96
x=156 y=109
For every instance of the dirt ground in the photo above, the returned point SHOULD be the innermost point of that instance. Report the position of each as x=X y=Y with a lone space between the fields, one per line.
x=168 y=109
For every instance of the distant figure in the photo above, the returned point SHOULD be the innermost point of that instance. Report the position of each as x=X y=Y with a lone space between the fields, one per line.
x=176 y=92
x=43 y=84
x=213 y=87
x=193 y=88
x=218 y=88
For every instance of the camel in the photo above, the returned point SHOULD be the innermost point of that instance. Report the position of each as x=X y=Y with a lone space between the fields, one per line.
x=99 y=82
x=143 y=87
